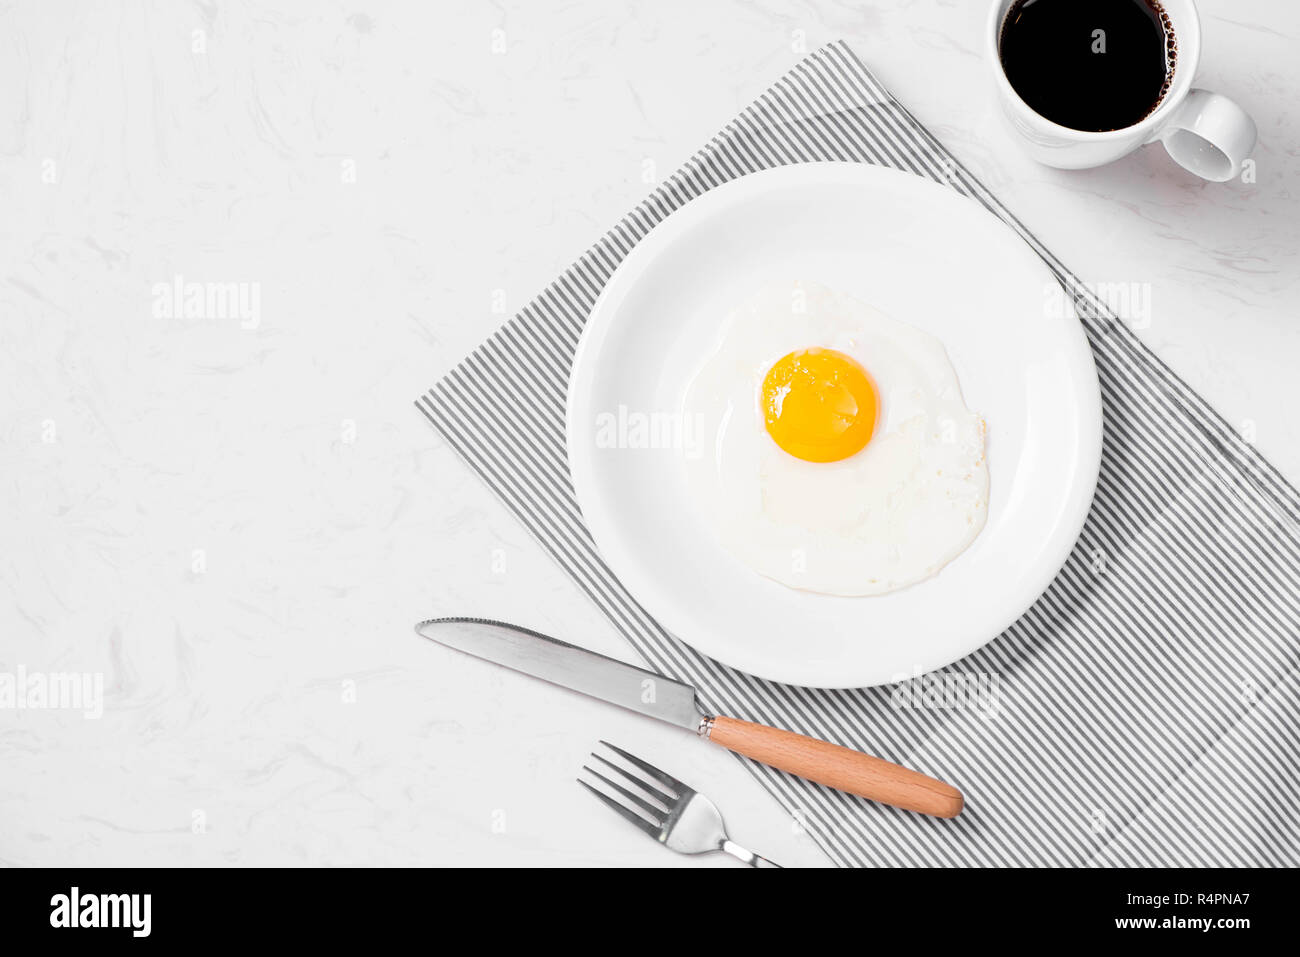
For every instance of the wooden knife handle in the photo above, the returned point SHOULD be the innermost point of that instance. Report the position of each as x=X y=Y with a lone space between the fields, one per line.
x=841 y=768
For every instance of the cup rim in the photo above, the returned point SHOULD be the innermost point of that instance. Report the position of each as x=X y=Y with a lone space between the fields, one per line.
x=1187 y=31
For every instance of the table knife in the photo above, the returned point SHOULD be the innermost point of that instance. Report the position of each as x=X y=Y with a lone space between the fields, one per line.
x=675 y=702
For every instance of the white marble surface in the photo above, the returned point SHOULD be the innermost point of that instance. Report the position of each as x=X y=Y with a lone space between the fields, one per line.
x=237 y=525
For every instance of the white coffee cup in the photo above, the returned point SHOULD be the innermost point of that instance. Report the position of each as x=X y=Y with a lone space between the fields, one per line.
x=1204 y=132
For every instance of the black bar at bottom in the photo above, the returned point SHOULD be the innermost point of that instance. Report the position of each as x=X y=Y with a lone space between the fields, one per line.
x=343 y=907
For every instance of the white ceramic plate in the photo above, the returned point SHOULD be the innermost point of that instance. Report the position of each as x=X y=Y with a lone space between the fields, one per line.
x=924 y=255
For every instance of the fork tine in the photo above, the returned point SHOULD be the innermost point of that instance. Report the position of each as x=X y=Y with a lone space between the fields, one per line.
x=662 y=777
x=631 y=815
x=651 y=789
x=642 y=803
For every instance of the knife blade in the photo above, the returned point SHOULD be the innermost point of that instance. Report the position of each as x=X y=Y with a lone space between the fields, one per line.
x=570 y=667
x=675 y=702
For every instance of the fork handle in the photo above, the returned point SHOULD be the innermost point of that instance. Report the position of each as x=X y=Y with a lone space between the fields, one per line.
x=837 y=767
x=749 y=857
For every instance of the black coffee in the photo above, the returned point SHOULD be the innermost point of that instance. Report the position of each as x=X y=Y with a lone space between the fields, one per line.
x=1089 y=64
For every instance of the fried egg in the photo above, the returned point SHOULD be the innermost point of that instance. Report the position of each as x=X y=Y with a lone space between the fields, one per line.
x=840 y=455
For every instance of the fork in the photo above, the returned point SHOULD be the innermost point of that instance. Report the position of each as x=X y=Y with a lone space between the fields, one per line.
x=692 y=824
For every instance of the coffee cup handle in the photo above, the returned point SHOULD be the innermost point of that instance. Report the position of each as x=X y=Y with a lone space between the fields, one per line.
x=1209 y=135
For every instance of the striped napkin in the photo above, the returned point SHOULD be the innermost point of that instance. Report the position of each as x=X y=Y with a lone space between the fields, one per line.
x=1143 y=712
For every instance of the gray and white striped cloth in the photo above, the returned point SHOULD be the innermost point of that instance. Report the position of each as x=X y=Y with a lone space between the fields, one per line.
x=1146 y=706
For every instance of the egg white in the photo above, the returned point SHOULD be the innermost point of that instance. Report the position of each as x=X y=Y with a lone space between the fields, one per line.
x=893 y=514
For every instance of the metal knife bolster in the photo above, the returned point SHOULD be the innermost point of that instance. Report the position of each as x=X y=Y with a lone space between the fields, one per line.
x=572 y=667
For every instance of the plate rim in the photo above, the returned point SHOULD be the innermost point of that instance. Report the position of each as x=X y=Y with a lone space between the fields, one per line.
x=1087 y=472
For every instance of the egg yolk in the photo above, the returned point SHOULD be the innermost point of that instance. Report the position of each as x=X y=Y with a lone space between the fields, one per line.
x=819 y=405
